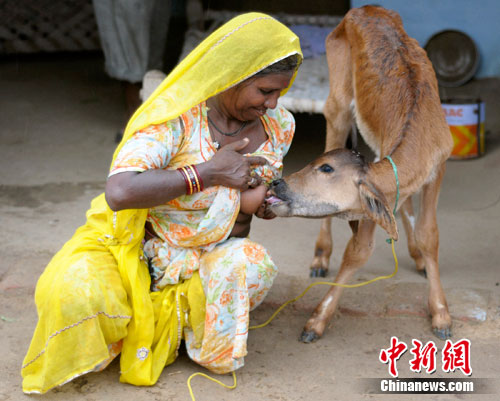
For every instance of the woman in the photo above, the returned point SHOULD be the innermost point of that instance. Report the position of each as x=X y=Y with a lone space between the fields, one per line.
x=172 y=203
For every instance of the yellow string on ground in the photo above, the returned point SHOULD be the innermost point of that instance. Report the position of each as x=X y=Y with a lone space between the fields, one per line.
x=210 y=378
x=332 y=285
x=294 y=300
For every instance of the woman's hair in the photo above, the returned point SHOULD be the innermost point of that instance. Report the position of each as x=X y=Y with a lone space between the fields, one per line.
x=288 y=64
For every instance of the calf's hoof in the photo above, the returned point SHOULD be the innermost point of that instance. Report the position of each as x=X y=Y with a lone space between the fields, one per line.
x=441 y=322
x=309 y=337
x=317 y=272
x=442 y=334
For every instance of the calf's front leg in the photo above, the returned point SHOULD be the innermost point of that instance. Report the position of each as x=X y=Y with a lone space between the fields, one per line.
x=408 y=218
x=357 y=252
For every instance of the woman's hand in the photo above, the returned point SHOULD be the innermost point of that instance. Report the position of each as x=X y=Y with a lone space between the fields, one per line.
x=230 y=168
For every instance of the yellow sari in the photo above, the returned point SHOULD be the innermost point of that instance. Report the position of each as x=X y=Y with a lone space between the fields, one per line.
x=73 y=337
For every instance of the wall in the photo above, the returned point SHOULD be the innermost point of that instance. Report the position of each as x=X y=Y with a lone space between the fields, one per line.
x=329 y=7
x=479 y=19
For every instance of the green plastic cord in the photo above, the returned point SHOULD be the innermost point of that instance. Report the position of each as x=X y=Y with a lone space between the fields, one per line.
x=395 y=169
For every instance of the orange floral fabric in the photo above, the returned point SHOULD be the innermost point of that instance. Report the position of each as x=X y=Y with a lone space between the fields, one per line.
x=193 y=231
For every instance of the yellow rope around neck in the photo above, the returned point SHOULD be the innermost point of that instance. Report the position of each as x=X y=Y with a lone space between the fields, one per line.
x=293 y=300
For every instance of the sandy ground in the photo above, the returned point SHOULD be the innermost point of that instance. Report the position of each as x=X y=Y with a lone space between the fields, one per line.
x=59 y=116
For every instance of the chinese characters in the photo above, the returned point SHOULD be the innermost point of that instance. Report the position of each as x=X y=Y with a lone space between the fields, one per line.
x=453 y=356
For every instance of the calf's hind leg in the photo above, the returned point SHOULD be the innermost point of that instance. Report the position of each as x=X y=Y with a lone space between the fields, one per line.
x=427 y=238
x=322 y=250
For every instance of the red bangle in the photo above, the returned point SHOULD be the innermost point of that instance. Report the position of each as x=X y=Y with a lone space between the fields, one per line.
x=189 y=187
x=195 y=178
x=192 y=178
x=201 y=185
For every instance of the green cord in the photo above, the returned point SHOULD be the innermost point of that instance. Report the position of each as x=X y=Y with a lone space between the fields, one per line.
x=395 y=169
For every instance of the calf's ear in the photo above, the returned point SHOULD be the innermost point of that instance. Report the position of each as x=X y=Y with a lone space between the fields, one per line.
x=377 y=209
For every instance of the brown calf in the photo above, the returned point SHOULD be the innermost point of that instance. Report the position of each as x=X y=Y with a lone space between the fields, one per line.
x=383 y=80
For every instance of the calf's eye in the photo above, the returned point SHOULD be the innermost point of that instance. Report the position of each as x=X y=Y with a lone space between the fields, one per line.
x=326 y=168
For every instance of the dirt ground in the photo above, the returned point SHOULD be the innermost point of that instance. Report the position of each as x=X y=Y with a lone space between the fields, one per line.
x=59 y=115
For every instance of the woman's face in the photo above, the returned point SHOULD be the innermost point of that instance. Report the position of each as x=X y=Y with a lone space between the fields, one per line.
x=251 y=99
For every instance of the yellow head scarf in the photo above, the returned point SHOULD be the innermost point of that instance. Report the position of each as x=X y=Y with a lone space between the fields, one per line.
x=239 y=49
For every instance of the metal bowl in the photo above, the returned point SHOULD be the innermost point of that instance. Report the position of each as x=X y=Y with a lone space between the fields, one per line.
x=454 y=56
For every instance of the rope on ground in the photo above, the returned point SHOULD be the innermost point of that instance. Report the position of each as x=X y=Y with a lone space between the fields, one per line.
x=332 y=285
x=209 y=378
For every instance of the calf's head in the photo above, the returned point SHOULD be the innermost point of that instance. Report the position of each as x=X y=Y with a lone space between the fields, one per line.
x=335 y=184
